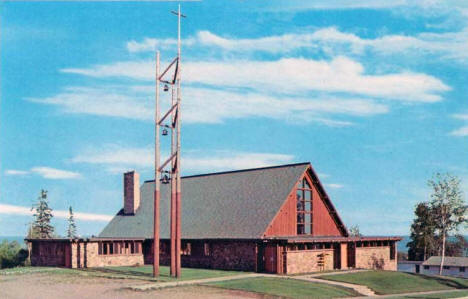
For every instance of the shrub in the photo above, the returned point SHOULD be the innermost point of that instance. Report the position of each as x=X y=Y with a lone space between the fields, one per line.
x=12 y=255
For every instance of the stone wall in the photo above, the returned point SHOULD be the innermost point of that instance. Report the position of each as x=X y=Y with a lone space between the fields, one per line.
x=375 y=258
x=305 y=261
x=86 y=255
x=231 y=255
x=225 y=255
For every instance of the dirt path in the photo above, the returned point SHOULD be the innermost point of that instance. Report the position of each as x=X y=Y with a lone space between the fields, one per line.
x=62 y=286
x=169 y=284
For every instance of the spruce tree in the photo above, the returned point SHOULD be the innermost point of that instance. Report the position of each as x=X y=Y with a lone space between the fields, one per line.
x=42 y=217
x=423 y=241
x=71 y=232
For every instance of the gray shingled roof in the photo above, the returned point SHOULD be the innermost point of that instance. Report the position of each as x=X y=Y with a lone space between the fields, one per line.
x=237 y=204
x=448 y=261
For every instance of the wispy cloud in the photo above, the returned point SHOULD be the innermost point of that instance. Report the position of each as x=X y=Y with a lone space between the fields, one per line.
x=20 y=210
x=334 y=186
x=451 y=45
x=232 y=160
x=296 y=76
x=207 y=105
x=117 y=159
x=462 y=131
x=110 y=101
x=15 y=172
x=45 y=172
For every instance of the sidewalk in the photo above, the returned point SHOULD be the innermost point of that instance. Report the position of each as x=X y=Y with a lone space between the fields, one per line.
x=411 y=294
x=169 y=284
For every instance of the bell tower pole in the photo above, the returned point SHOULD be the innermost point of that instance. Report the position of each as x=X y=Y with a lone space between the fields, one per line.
x=171 y=166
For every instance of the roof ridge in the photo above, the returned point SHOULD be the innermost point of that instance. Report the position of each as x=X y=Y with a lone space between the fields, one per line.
x=239 y=170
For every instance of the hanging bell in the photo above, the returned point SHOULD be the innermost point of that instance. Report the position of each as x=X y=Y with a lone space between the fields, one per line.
x=164 y=132
x=165 y=179
x=166 y=88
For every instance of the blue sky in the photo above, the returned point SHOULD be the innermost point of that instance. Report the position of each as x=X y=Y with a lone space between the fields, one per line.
x=372 y=93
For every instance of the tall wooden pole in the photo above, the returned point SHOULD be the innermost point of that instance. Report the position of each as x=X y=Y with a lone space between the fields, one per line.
x=156 y=178
x=173 y=221
x=178 y=195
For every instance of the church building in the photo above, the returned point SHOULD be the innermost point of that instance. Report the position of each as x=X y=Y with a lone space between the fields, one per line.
x=274 y=219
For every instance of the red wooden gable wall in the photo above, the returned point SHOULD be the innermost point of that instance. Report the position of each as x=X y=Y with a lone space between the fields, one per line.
x=285 y=222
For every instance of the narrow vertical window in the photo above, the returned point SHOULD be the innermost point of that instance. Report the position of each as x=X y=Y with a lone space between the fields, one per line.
x=207 y=249
x=304 y=208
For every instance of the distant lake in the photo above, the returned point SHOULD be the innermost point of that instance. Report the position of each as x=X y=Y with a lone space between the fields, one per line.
x=406 y=239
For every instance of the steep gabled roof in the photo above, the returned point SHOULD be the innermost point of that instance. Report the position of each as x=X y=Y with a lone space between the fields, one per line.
x=235 y=204
x=331 y=207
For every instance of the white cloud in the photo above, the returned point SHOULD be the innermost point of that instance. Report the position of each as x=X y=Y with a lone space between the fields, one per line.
x=45 y=172
x=205 y=105
x=462 y=131
x=13 y=172
x=334 y=186
x=151 y=44
x=116 y=155
x=19 y=210
x=53 y=173
x=296 y=76
x=117 y=159
x=450 y=45
x=100 y=101
x=460 y=116
x=231 y=160
x=299 y=76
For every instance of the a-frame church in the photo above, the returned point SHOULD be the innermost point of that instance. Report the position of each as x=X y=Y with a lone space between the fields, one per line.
x=274 y=219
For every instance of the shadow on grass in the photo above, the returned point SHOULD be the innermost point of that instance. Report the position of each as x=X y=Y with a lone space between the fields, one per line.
x=453 y=282
x=124 y=273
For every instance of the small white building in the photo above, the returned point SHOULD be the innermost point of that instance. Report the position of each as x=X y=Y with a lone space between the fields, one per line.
x=453 y=266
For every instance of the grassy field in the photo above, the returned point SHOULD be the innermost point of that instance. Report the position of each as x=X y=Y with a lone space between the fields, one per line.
x=387 y=282
x=142 y=273
x=437 y=296
x=290 y=288
x=164 y=274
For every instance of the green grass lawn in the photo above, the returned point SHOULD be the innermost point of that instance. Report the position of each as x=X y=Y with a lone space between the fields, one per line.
x=389 y=282
x=164 y=273
x=443 y=295
x=142 y=272
x=285 y=287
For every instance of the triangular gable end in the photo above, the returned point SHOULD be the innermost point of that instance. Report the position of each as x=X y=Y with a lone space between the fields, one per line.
x=325 y=218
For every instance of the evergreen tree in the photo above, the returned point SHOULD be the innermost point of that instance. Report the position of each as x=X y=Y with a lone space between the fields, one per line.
x=42 y=217
x=71 y=232
x=354 y=231
x=423 y=242
x=448 y=208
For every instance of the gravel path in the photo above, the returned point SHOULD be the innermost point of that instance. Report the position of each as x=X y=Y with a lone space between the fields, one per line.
x=46 y=286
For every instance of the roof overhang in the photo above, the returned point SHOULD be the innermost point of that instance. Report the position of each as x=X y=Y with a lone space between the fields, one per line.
x=331 y=239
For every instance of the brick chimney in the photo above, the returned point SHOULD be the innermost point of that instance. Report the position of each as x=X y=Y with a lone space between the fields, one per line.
x=131 y=192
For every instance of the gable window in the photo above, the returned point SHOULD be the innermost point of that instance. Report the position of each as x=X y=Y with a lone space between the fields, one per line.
x=304 y=208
